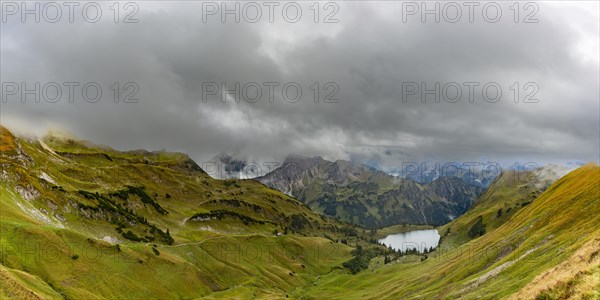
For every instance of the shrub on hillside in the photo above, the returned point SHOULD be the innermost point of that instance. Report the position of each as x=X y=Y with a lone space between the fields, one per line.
x=131 y=236
x=478 y=229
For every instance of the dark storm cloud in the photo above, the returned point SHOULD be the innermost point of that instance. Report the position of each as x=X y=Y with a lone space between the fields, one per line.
x=368 y=54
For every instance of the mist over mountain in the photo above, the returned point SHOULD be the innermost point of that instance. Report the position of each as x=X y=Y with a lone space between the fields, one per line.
x=224 y=166
x=367 y=65
x=478 y=174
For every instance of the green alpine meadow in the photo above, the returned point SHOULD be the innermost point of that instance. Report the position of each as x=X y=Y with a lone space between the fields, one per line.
x=310 y=150
x=84 y=221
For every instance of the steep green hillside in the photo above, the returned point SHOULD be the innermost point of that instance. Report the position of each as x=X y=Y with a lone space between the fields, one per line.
x=510 y=192
x=359 y=194
x=83 y=221
x=549 y=249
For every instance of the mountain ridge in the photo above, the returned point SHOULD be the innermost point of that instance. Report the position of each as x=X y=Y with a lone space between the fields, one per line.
x=369 y=197
x=548 y=249
x=79 y=221
x=160 y=225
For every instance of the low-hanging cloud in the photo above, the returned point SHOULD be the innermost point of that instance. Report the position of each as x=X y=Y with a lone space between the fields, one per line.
x=366 y=56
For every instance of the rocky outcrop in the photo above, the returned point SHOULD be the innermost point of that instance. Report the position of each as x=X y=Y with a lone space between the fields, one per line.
x=366 y=196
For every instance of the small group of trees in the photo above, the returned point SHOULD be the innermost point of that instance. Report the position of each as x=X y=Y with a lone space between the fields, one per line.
x=362 y=257
x=165 y=237
x=393 y=254
x=478 y=229
x=130 y=235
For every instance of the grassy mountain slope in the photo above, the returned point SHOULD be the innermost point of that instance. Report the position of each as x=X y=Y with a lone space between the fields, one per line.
x=84 y=221
x=539 y=240
x=362 y=195
x=16 y=284
x=79 y=220
x=510 y=192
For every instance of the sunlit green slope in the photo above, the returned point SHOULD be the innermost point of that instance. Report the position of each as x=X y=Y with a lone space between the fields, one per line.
x=83 y=221
x=557 y=235
x=509 y=193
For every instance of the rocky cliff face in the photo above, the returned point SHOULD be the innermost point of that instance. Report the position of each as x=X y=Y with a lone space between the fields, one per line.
x=366 y=196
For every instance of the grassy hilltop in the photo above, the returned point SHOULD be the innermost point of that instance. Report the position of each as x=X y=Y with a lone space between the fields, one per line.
x=548 y=249
x=80 y=220
x=84 y=221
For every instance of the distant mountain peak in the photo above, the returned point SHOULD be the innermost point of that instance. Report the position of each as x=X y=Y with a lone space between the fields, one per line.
x=367 y=196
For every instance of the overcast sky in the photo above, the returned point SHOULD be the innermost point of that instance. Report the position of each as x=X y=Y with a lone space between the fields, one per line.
x=367 y=55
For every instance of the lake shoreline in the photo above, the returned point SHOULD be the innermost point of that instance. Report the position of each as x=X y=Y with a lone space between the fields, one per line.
x=421 y=241
x=395 y=229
